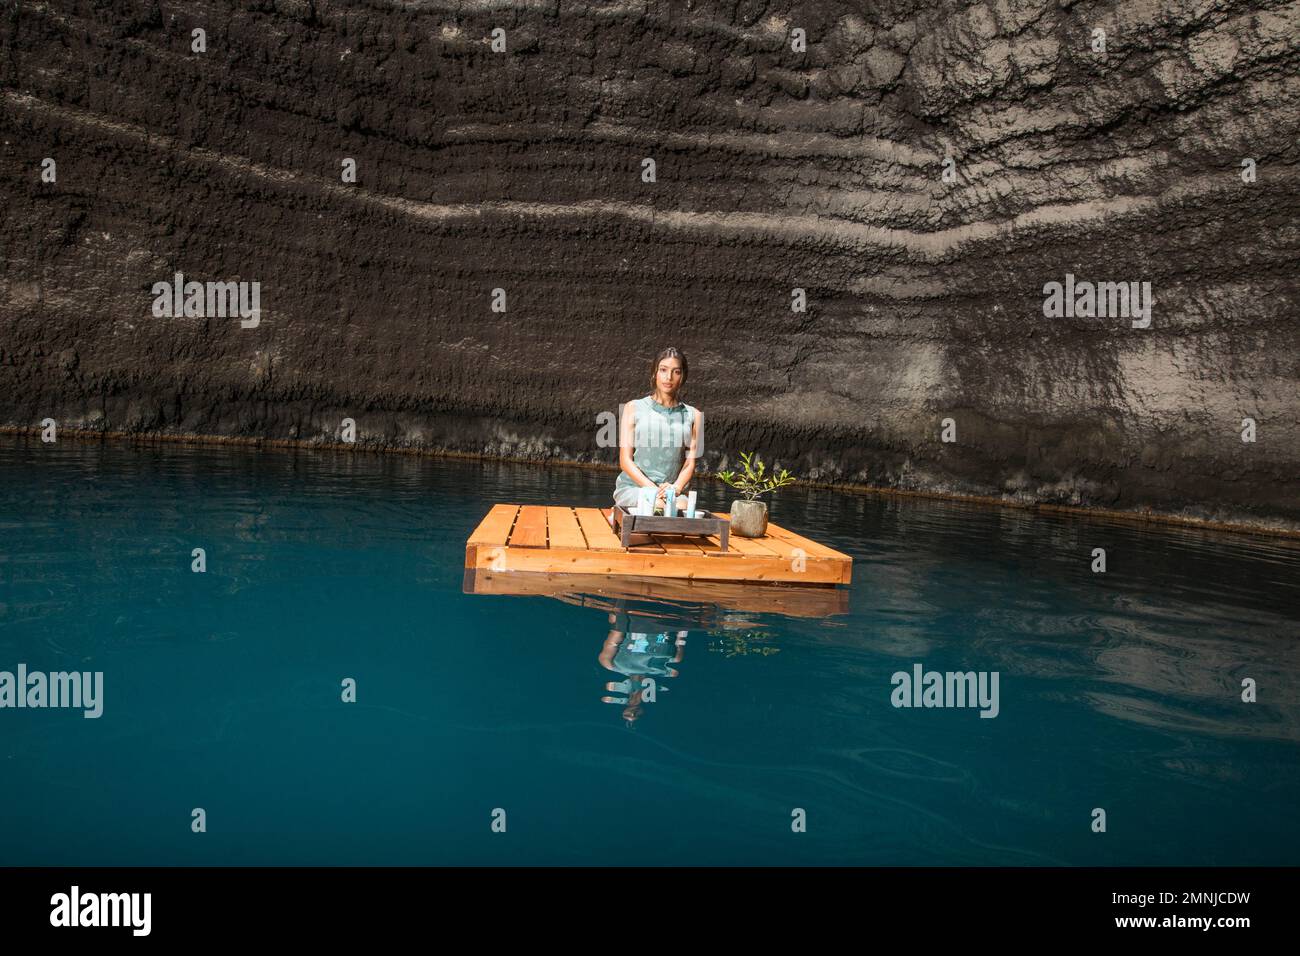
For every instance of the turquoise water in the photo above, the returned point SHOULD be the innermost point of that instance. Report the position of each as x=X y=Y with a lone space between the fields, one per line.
x=222 y=690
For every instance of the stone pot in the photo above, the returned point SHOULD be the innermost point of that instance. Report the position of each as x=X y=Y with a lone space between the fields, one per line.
x=749 y=518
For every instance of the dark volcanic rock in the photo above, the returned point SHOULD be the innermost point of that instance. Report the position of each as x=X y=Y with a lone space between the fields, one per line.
x=776 y=169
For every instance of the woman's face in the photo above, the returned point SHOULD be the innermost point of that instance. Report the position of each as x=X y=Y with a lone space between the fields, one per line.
x=669 y=376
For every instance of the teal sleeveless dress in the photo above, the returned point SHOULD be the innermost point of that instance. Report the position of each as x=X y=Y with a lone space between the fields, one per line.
x=662 y=438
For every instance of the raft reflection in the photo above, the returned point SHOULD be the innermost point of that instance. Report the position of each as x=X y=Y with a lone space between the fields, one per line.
x=650 y=619
x=703 y=600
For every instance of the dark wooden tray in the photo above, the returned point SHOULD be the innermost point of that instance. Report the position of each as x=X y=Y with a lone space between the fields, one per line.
x=627 y=524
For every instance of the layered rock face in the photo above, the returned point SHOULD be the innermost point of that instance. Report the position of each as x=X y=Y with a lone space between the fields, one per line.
x=921 y=170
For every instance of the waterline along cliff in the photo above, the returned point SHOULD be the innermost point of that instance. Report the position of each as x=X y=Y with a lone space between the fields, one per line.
x=1028 y=248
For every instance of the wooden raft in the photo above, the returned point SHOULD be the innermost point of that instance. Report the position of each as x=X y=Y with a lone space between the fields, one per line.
x=563 y=540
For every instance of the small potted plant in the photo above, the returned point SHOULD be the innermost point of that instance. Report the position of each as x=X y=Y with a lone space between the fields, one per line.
x=749 y=515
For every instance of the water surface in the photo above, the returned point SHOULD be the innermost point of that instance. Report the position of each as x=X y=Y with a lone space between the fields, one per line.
x=1119 y=691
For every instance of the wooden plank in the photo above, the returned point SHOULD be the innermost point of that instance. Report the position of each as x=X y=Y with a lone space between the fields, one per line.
x=802 y=553
x=783 y=542
x=563 y=530
x=811 y=548
x=530 y=528
x=495 y=528
x=813 y=552
x=594 y=524
x=777 y=546
x=647 y=563
x=491 y=534
x=678 y=544
x=711 y=546
x=750 y=547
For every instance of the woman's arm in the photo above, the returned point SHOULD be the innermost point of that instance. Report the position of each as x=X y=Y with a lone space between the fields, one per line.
x=688 y=464
x=610 y=648
x=626 y=444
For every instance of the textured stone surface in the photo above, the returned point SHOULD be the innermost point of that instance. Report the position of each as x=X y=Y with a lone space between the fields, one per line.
x=776 y=170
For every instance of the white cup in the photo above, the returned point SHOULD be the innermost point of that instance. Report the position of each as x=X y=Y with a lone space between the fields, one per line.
x=645 y=502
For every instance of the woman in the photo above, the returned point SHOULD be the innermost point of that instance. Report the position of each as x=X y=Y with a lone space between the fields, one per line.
x=659 y=437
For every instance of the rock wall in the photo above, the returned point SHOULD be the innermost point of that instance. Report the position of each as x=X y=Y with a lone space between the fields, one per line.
x=921 y=169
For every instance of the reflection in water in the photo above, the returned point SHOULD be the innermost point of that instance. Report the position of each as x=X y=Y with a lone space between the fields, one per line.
x=741 y=644
x=706 y=603
x=650 y=619
x=643 y=659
